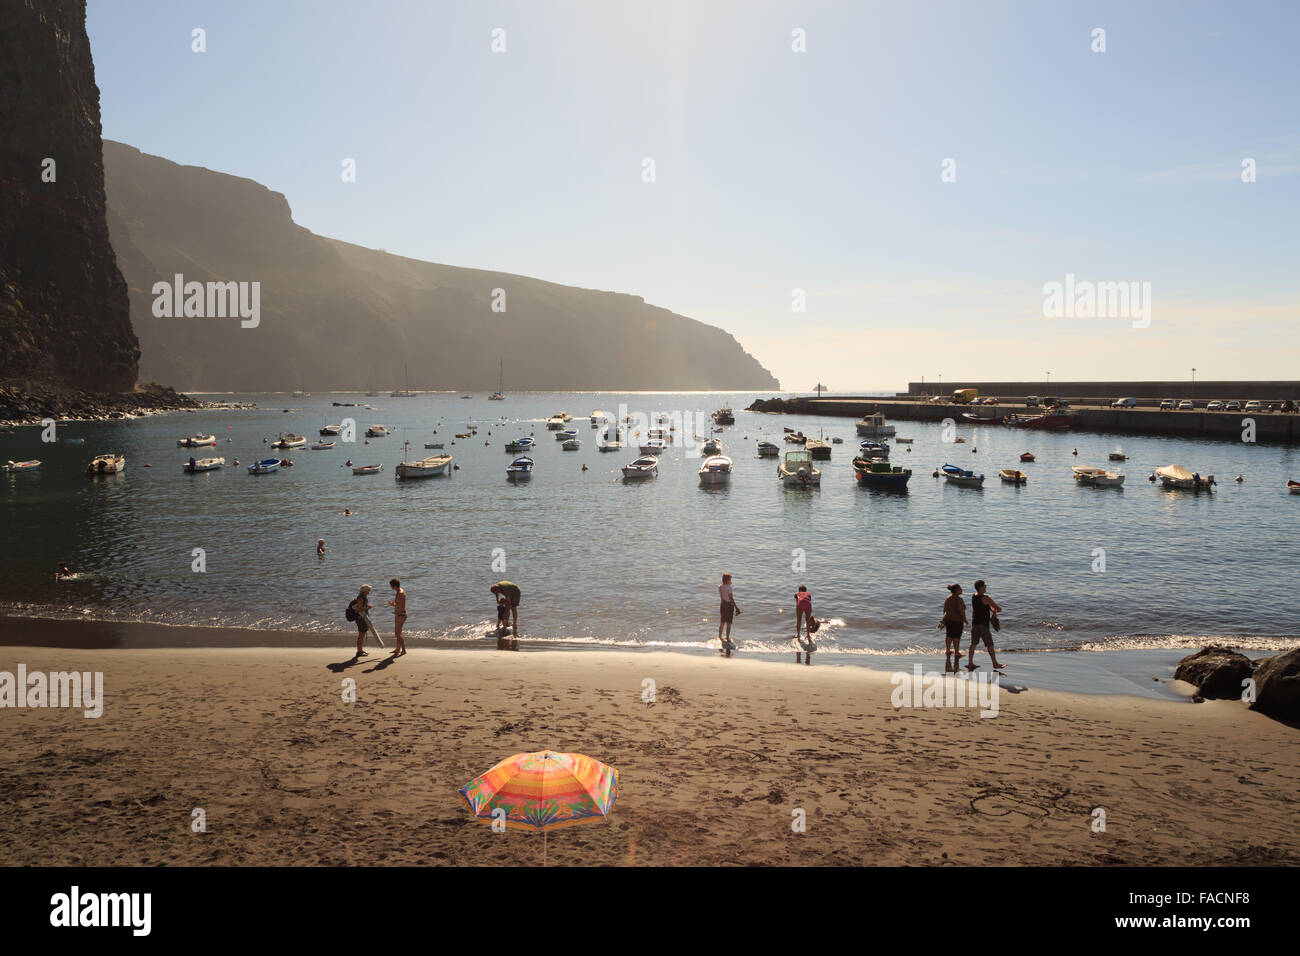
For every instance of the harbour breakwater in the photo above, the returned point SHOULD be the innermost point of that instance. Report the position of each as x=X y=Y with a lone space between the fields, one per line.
x=1272 y=427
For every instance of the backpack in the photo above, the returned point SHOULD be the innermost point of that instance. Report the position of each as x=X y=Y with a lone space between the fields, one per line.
x=351 y=612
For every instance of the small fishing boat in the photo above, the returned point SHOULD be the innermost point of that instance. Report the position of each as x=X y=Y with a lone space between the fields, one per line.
x=434 y=444
x=367 y=469
x=837 y=441
x=653 y=446
x=724 y=416
x=429 y=467
x=980 y=419
x=872 y=449
x=290 y=441
x=1046 y=422
x=1176 y=476
x=598 y=417
x=322 y=445
x=521 y=467
x=903 y=441
x=874 y=473
x=264 y=467
x=962 y=477
x=715 y=470
x=1027 y=457
x=1086 y=474
x=106 y=465
x=377 y=431
x=959 y=440
x=1109 y=479
x=647 y=466
x=794 y=438
x=567 y=434
x=571 y=444
x=1013 y=476
x=1293 y=487
x=331 y=430
x=874 y=426
x=194 y=441
x=555 y=424
x=660 y=434
x=767 y=449
x=611 y=439
x=819 y=449
x=1117 y=456
x=203 y=464
x=798 y=471
x=519 y=444
x=564 y=416
x=22 y=465
x=712 y=447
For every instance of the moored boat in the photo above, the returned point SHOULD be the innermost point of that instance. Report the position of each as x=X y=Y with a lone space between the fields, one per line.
x=331 y=430
x=1176 y=476
x=423 y=467
x=873 y=472
x=724 y=416
x=874 y=426
x=712 y=446
x=1013 y=476
x=1117 y=456
x=521 y=467
x=715 y=470
x=571 y=444
x=598 y=417
x=1048 y=422
x=290 y=441
x=367 y=469
x=872 y=449
x=819 y=449
x=798 y=471
x=194 y=441
x=767 y=449
x=518 y=445
x=653 y=446
x=962 y=477
x=106 y=465
x=264 y=467
x=611 y=439
x=1293 y=487
x=30 y=465
x=1027 y=456
x=647 y=466
x=377 y=431
x=322 y=445
x=567 y=434
x=555 y=424
x=203 y=464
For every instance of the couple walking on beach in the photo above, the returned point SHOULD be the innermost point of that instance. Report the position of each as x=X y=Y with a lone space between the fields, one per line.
x=359 y=612
x=984 y=620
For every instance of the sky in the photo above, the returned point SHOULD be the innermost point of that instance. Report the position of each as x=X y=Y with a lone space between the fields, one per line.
x=864 y=193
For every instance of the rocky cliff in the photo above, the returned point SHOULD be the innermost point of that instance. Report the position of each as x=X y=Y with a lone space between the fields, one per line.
x=338 y=316
x=64 y=312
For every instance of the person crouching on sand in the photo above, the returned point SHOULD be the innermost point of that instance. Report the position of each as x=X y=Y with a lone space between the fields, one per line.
x=398 y=604
x=983 y=608
x=953 y=623
x=511 y=593
x=727 y=611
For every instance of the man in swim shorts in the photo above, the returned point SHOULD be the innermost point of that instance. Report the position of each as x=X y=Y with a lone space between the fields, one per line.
x=983 y=608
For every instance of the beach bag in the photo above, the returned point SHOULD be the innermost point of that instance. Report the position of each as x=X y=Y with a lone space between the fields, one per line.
x=814 y=625
x=351 y=612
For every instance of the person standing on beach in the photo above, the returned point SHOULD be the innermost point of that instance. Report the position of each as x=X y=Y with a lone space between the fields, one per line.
x=727 y=610
x=398 y=604
x=983 y=608
x=953 y=623
x=511 y=593
x=361 y=606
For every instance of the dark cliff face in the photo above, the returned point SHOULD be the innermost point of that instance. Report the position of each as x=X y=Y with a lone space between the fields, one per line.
x=335 y=315
x=64 y=313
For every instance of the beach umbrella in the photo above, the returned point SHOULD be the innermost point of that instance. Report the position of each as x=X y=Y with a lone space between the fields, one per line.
x=543 y=791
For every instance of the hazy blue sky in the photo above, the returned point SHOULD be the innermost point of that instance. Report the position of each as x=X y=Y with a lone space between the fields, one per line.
x=779 y=170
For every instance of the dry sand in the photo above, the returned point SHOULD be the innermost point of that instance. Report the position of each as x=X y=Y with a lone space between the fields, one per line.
x=288 y=773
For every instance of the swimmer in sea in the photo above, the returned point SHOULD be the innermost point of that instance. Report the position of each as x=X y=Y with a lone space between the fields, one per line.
x=320 y=547
x=63 y=571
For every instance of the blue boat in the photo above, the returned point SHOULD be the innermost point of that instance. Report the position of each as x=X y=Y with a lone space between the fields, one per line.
x=264 y=467
x=880 y=474
x=873 y=449
x=961 y=476
x=521 y=467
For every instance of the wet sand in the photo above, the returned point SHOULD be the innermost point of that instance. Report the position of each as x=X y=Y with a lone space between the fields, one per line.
x=713 y=772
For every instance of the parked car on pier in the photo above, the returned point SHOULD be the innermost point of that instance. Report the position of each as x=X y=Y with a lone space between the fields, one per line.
x=1124 y=403
x=1253 y=407
x=1167 y=405
x=1186 y=405
x=1032 y=401
x=1214 y=406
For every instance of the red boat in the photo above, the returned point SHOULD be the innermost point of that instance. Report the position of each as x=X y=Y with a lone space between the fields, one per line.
x=1026 y=457
x=1053 y=422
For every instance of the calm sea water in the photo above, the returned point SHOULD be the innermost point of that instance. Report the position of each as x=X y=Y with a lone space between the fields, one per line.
x=605 y=562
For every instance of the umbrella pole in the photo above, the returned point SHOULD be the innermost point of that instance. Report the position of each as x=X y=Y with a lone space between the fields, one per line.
x=543 y=848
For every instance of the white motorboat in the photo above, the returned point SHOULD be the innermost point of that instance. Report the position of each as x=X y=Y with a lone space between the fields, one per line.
x=377 y=431
x=874 y=426
x=31 y=465
x=520 y=444
x=322 y=445
x=715 y=470
x=611 y=439
x=567 y=434
x=767 y=449
x=203 y=464
x=290 y=441
x=653 y=446
x=422 y=468
x=724 y=416
x=598 y=418
x=1087 y=474
x=571 y=444
x=962 y=476
x=647 y=466
x=798 y=470
x=521 y=467
x=106 y=465
x=1176 y=476
x=329 y=431
x=264 y=467
x=555 y=424
x=367 y=469
x=712 y=447
x=194 y=441
x=873 y=449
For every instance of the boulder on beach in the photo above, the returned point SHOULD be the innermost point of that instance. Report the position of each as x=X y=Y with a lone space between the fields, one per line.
x=1277 y=686
x=1217 y=672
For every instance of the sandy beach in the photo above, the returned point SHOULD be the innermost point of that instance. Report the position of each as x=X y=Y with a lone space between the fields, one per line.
x=713 y=772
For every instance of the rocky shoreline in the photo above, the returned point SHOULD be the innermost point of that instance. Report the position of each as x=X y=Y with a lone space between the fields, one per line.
x=28 y=403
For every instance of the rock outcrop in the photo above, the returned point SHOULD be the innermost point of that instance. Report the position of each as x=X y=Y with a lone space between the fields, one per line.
x=64 y=313
x=338 y=316
x=1277 y=687
x=1217 y=672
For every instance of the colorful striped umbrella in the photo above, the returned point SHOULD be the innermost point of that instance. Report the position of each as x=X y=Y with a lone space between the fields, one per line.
x=543 y=791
